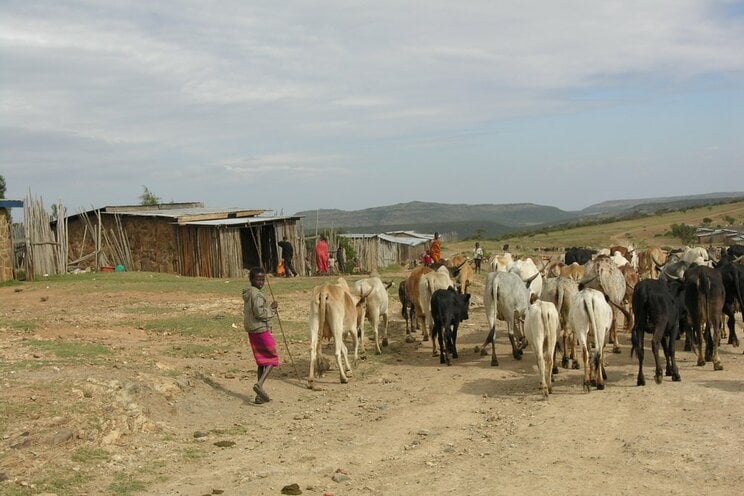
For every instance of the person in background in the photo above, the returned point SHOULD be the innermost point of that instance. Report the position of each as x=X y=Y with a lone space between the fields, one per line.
x=436 y=248
x=287 y=255
x=257 y=316
x=308 y=266
x=478 y=257
x=341 y=259
x=321 y=255
x=426 y=259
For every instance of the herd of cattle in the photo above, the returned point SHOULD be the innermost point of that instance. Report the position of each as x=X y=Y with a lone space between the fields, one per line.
x=551 y=306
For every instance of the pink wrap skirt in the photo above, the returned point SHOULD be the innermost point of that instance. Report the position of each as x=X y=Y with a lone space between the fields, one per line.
x=264 y=348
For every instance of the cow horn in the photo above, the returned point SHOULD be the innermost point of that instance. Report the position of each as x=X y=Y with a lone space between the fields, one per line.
x=529 y=281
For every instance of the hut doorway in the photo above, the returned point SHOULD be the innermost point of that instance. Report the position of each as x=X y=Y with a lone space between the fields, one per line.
x=259 y=247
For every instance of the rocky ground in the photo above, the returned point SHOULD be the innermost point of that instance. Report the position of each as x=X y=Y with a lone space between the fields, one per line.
x=165 y=413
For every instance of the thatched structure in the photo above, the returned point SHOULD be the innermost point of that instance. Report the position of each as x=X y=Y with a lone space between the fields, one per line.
x=185 y=239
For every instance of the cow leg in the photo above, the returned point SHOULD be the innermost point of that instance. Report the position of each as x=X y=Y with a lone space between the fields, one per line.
x=516 y=348
x=613 y=332
x=375 y=326
x=585 y=359
x=732 y=338
x=716 y=328
x=670 y=351
x=491 y=338
x=446 y=346
x=341 y=353
x=550 y=365
x=708 y=342
x=600 y=366
x=699 y=345
x=553 y=356
x=564 y=350
x=438 y=334
x=540 y=357
x=655 y=344
x=638 y=344
x=385 y=329
x=453 y=341
x=572 y=342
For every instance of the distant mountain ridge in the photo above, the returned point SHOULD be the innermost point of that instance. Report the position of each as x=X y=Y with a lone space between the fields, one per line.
x=487 y=219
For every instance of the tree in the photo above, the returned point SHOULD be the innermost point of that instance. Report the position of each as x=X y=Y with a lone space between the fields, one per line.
x=148 y=197
x=684 y=232
x=2 y=187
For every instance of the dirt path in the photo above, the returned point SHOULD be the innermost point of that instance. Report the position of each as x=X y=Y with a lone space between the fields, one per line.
x=403 y=425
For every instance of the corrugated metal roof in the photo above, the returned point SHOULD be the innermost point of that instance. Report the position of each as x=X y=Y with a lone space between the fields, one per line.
x=242 y=221
x=404 y=240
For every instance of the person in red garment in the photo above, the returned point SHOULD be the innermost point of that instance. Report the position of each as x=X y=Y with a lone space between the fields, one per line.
x=321 y=255
x=436 y=248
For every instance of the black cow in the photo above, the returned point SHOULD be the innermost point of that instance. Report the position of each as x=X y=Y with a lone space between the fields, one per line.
x=733 y=283
x=657 y=309
x=704 y=298
x=579 y=255
x=448 y=309
x=735 y=251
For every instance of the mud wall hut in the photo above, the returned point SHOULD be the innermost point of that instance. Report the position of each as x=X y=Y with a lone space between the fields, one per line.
x=185 y=239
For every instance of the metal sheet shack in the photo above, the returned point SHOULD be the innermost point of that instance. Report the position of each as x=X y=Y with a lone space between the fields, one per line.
x=376 y=251
x=186 y=239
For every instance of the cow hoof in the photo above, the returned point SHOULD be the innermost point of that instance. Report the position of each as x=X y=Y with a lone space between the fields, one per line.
x=688 y=347
x=658 y=378
x=587 y=387
x=718 y=366
x=676 y=377
x=555 y=370
x=435 y=354
x=593 y=383
x=344 y=380
x=384 y=342
x=701 y=363
x=517 y=354
x=575 y=365
x=494 y=361
x=454 y=355
x=449 y=363
x=616 y=349
x=426 y=338
x=641 y=381
x=734 y=342
x=410 y=339
x=564 y=363
x=600 y=387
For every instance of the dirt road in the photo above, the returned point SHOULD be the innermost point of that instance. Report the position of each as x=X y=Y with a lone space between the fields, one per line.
x=169 y=414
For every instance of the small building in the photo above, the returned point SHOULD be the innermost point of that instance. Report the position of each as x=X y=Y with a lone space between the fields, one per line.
x=719 y=236
x=376 y=251
x=184 y=238
x=7 y=248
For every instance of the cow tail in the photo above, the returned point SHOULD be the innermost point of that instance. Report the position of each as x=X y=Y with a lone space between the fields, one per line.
x=592 y=322
x=560 y=305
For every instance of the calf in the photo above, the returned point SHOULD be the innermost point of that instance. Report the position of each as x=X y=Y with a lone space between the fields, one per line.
x=375 y=306
x=462 y=272
x=430 y=282
x=334 y=313
x=590 y=313
x=506 y=297
x=541 y=331
x=656 y=310
x=448 y=309
x=560 y=291
x=704 y=297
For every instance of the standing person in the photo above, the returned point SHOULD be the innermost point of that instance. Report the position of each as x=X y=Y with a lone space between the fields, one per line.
x=436 y=248
x=321 y=255
x=478 y=257
x=257 y=316
x=426 y=259
x=308 y=266
x=287 y=255
x=341 y=259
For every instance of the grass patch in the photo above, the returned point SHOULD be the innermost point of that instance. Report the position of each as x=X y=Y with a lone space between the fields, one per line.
x=90 y=455
x=125 y=484
x=62 y=483
x=194 y=454
x=67 y=349
x=13 y=411
x=195 y=326
x=22 y=325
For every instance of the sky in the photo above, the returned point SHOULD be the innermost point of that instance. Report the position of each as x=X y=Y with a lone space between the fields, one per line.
x=346 y=104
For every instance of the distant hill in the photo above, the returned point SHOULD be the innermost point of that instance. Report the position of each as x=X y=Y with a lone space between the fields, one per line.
x=490 y=220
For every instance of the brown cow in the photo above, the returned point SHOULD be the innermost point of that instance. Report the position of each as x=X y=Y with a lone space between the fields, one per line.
x=573 y=271
x=461 y=272
x=412 y=293
x=649 y=261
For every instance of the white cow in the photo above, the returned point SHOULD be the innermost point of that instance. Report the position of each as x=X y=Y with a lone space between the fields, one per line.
x=590 y=313
x=334 y=313
x=430 y=282
x=541 y=331
x=375 y=306
x=527 y=271
x=501 y=263
x=505 y=297
x=619 y=259
x=697 y=255
x=560 y=291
